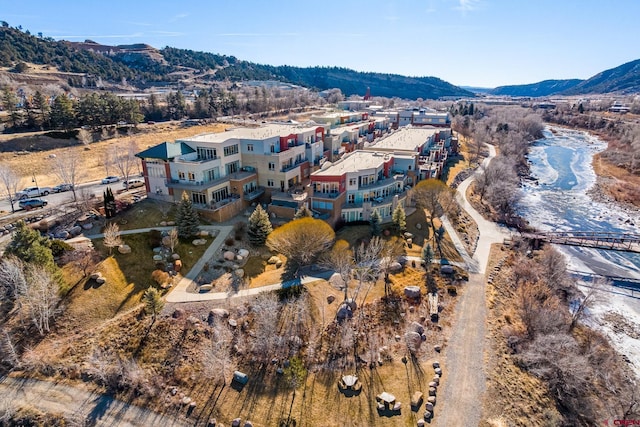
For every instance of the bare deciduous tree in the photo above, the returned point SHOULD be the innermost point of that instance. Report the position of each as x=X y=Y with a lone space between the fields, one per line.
x=10 y=182
x=13 y=282
x=112 y=237
x=69 y=169
x=40 y=302
x=173 y=238
x=589 y=299
x=340 y=260
x=216 y=359
x=124 y=159
x=265 y=324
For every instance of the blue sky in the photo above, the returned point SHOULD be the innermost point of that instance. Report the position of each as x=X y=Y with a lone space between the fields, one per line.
x=466 y=42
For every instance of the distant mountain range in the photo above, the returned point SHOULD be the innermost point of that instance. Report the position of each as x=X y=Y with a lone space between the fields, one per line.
x=623 y=79
x=143 y=65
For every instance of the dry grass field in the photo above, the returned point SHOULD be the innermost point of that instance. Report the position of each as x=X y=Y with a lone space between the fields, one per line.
x=41 y=164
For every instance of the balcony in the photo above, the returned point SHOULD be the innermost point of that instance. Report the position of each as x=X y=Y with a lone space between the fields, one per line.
x=378 y=201
x=331 y=195
x=293 y=166
x=385 y=182
x=196 y=161
x=253 y=194
x=183 y=184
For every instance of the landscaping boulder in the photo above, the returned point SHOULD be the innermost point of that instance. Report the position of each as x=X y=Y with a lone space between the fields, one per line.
x=436 y=364
x=233 y=323
x=87 y=226
x=177 y=266
x=101 y=280
x=413 y=339
x=330 y=299
x=408 y=235
x=235 y=422
x=166 y=241
x=206 y=287
x=273 y=260
x=74 y=231
x=395 y=266
x=412 y=291
x=219 y=312
x=243 y=253
x=419 y=226
x=437 y=348
x=203 y=233
x=157 y=257
x=95 y=275
x=163 y=223
x=63 y=235
x=124 y=249
x=175 y=256
x=344 y=312
x=229 y=256
x=239 y=273
x=171 y=223
x=199 y=242
x=178 y=313
x=417 y=327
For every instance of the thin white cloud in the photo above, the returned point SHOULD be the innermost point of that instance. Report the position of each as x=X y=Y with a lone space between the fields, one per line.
x=179 y=16
x=287 y=34
x=467 y=5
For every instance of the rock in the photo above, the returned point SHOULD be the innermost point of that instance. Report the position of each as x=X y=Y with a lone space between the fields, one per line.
x=243 y=253
x=173 y=391
x=248 y=424
x=431 y=399
x=432 y=391
x=417 y=327
x=273 y=260
x=413 y=339
x=186 y=400
x=419 y=226
x=229 y=256
x=212 y=423
x=87 y=226
x=429 y=406
x=171 y=223
x=206 y=287
x=424 y=337
x=74 y=231
x=278 y=264
x=436 y=364
x=158 y=258
x=235 y=422
x=163 y=223
x=157 y=250
x=124 y=249
x=177 y=266
x=166 y=241
x=219 y=312
x=279 y=371
x=101 y=280
x=420 y=423
x=398 y=337
x=239 y=258
x=192 y=404
x=427 y=415
x=199 y=242
x=330 y=299
x=175 y=256
x=193 y=320
x=433 y=384
x=410 y=242
x=95 y=275
x=233 y=323
x=438 y=371
x=412 y=291
x=408 y=235
x=178 y=313
x=239 y=273
x=436 y=380
x=203 y=233
x=437 y=348
x=395 y=266
x=344 y=312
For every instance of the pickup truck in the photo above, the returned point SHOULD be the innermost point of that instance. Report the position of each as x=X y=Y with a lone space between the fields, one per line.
x=29 y=192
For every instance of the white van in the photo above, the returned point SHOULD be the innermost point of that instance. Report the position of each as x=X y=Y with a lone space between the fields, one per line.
x=133 y=183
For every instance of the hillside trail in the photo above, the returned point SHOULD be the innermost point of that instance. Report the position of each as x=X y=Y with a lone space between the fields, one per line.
x=464 y=377
x=79 y=405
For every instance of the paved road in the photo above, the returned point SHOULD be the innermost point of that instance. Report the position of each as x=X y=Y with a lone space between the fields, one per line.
x=84 y=406
x=464 y=376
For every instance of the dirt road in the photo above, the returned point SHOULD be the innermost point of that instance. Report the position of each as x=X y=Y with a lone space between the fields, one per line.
x=79 y=405
x=460 y=397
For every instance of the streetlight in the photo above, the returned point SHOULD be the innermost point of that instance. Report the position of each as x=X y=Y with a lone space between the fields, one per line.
x=33 y=179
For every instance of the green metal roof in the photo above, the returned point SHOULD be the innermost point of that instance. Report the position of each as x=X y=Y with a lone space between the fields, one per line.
x=166 y=151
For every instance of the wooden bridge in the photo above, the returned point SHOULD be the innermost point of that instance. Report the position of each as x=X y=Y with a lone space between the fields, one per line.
x=626 y=242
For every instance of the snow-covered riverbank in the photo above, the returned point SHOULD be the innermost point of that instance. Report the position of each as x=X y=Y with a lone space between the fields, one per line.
x=563 y=200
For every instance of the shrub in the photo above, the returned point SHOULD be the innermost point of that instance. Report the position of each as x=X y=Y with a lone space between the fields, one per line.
x=229 y=241
x=160 y=277
x=59 y=247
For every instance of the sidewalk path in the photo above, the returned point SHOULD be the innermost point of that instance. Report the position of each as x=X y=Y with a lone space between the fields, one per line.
x=464 y=381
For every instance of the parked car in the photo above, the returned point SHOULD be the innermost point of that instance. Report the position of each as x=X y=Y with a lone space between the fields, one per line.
x=61 y=188
x=110 y=179
x=133 y=183
x=29 y=204
x=29 y=192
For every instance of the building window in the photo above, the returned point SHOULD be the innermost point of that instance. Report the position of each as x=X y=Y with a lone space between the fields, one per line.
x=249 y=147
x=181 y=175
x=272 y=166
x=232 y=167
x=351 y=198
x=220 y=194
x=206 y=153
x=273 y=148
x=192 y=176
x=353 y=181
x=320 y=204
x=269 y=183
x=199 y=198
x=231 y=150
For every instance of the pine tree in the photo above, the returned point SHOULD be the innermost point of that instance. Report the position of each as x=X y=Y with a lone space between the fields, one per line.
x=375 y=221
x=427 y=255
x=109 y=203
x=187 y=219
x=303 y=212
x=399 y=218
x=259 y=227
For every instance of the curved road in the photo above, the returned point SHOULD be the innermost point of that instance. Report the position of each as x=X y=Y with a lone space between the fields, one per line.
x=464 y=377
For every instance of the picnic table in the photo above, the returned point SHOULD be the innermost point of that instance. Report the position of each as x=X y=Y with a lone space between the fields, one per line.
x=387 y=398
x=350 y=382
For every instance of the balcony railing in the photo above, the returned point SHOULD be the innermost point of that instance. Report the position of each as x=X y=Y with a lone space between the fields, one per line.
x=331 y=195
x=197 y=160
x=196 y=185
x=253 y=194
x=293 y=166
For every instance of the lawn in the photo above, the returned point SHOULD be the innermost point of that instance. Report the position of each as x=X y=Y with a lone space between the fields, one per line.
x=144 y=214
